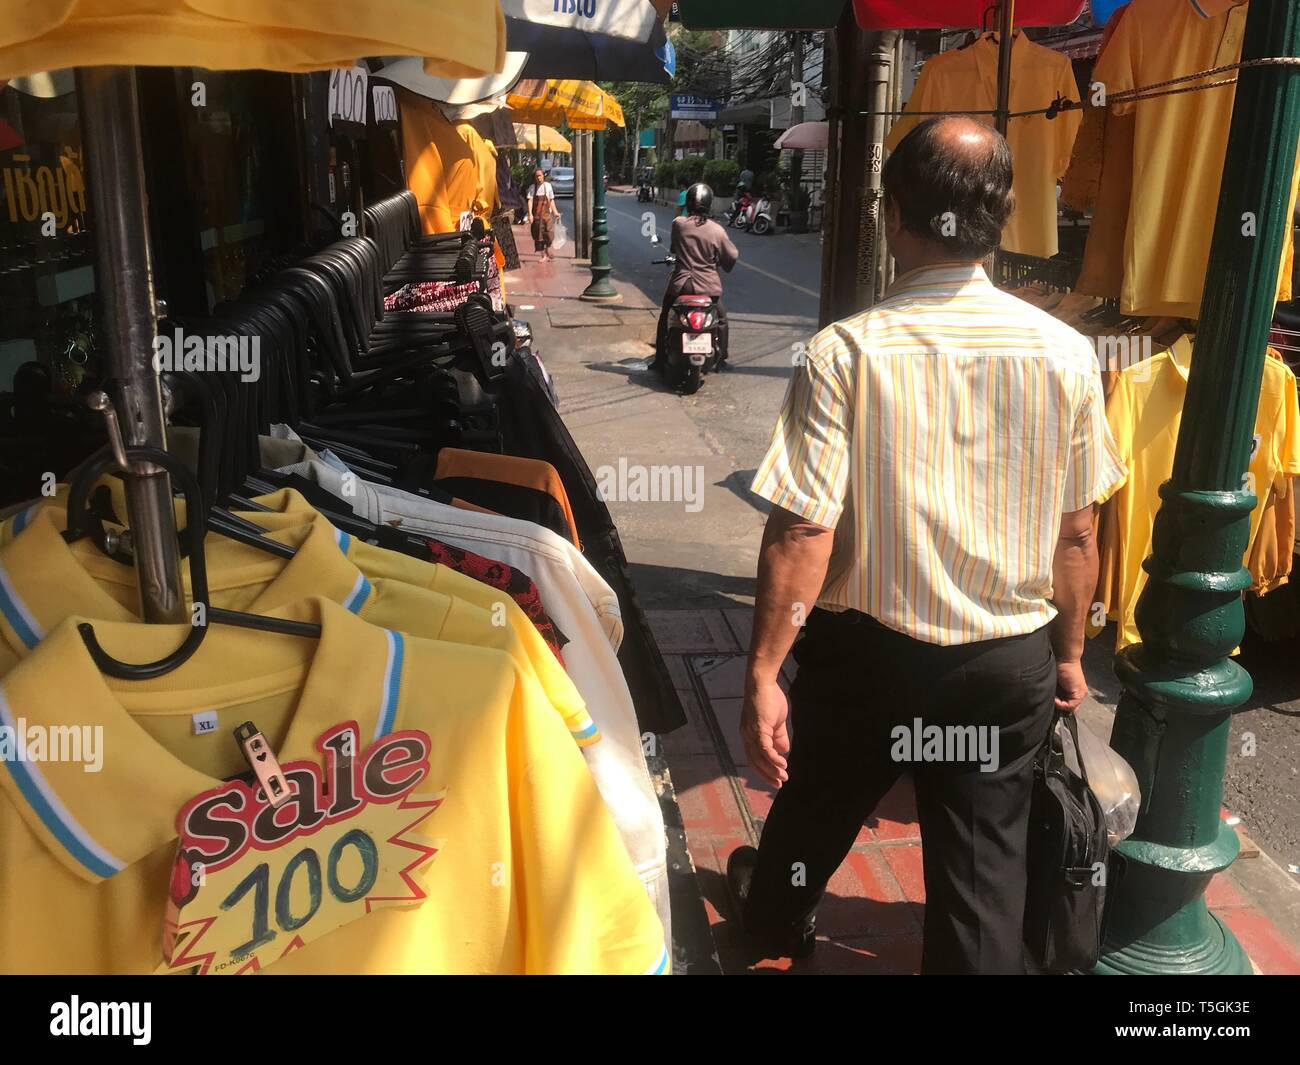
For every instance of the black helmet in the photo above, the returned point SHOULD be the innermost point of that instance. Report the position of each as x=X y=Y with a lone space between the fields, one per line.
x=699 y=199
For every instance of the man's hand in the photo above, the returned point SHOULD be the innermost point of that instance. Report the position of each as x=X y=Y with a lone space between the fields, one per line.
x=1071 y=686
x=762 y=727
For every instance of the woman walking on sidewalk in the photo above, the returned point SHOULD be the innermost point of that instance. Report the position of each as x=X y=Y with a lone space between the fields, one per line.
x=541 y=214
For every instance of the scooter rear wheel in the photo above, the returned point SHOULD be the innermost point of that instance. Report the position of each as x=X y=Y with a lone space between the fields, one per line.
x=691 y=381
x=761 y=226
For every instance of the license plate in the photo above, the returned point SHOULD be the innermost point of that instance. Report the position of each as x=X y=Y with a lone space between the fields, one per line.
x=697 y=342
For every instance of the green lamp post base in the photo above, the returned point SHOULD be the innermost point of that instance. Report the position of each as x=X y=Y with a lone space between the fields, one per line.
x=600 y=290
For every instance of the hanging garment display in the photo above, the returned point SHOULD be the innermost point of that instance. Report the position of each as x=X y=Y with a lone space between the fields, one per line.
x=442 y=766
x=1145 y=410
x=460 y=40
x=1099 y=182
x=441 y=168
x=43 y=580
x=966 y=79
x=1178 y=145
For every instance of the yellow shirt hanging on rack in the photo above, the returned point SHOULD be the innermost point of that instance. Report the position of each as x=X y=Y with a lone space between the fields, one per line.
x=462 y=40
x=469 y=837
x=441 y=168
x=966 y=79
x=1145 y=409
x=1179 y=144
x=44 y=580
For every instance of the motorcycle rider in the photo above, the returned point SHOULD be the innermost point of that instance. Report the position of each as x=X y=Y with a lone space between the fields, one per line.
x=701 y=246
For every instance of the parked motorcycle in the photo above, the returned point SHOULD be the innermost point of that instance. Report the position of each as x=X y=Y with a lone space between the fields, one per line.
x=740 y=205
x=645 y=188
x=758 y=218
x=694 y=342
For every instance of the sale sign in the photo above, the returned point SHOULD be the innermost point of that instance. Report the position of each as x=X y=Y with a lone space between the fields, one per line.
x=253 y=882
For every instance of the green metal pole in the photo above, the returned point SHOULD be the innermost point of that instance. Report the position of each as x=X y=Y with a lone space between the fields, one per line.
x=600 y=290
x=1179 y=684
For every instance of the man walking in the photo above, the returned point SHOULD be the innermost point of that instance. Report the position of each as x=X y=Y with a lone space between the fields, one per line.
x=933 y=473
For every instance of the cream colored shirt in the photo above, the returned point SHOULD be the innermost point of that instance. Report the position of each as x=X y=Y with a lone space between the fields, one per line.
x=942 y=434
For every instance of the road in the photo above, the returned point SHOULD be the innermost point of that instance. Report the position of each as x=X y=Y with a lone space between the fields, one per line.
x=706 y=557
x=617 y=409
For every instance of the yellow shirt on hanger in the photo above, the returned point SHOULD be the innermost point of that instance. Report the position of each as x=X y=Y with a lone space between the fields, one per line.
x=466 y=39
x=441 y=168
x=966 y=79
x=439 y=799
x=1145 y=409
x=44 y=580
x=1179 y=143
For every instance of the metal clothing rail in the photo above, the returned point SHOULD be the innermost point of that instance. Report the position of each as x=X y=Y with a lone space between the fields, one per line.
x=1140 y=92
x=110 y=126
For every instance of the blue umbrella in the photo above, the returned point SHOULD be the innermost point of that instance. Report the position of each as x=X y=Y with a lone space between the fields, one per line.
x=565 y=52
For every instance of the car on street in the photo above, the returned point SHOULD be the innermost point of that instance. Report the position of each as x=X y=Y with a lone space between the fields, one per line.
x=561 y=179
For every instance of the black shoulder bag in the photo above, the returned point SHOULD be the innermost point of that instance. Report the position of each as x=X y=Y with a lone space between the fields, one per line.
x=1068 y=857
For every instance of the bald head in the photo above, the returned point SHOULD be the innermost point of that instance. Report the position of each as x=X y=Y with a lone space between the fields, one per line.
x=950 y=182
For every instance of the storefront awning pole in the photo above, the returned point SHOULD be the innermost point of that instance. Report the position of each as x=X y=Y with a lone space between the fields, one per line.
x=1180 y=686
x=1006 y=26
x=110 y=127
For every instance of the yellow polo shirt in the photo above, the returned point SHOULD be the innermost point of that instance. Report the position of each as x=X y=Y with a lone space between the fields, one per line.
x=441 y=168
x=1145 y=409
x=490 y=850
x=1179 y=144
x=461 y=40
x=43 y=580
x=966 y=78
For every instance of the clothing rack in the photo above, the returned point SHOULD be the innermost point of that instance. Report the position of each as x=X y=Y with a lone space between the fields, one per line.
x=110 y=123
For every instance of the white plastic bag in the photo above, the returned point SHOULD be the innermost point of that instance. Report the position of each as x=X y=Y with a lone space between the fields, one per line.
x=561 y=237
x=1111 y=778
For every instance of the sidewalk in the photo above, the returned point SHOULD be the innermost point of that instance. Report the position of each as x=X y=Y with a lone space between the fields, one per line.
x=871 y=919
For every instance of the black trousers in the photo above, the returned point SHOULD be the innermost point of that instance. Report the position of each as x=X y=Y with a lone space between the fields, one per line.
x=855 y=704
x=661 y=334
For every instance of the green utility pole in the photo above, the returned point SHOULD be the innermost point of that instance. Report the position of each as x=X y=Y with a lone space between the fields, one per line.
x=600 y=290
x=1180 y=686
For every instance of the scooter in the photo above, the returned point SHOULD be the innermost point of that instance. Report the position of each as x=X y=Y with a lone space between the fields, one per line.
x=694 y=341
x=644 y=189
x=758 y=218
x=739 y=208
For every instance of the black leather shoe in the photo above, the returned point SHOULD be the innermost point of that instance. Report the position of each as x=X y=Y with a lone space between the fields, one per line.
x=796 y=945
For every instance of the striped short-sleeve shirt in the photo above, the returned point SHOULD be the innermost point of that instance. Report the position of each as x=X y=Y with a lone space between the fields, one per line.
x=942 y=434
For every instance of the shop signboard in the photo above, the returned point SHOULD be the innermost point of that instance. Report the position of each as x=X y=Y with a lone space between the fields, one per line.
x=700 y=108
x=347 y=101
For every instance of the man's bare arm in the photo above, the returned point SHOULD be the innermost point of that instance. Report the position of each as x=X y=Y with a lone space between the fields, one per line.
x=1074 y=580
x=791 y=569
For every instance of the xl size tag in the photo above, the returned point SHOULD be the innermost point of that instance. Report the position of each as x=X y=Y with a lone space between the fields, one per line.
x=253 y=882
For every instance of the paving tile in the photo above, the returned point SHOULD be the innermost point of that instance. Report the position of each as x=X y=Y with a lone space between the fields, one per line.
x=680 y=672
x=899 y=955
x=685 y=631
x=759 y=794
x=895 y=816
x=705 y=798
x=905 y=863
x=863 y=899
x=1262 y=941
x=1222 y=894
x=741 y=622
x=692 y=738
x=723 y=676
x=726 y=712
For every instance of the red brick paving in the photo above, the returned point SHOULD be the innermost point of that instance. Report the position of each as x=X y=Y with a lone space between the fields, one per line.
x=871 y=918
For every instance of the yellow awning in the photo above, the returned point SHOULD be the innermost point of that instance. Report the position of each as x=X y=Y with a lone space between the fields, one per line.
x=458 y=40
x=582 y=104
x=552 y=139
